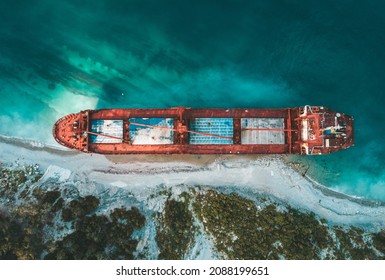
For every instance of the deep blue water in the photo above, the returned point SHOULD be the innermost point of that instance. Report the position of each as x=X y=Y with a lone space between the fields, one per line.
x=58 y=57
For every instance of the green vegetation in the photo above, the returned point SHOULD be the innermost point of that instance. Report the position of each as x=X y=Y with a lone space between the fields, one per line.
x=26 y=226
x=78 y=209
x=352 y=244
x=44 y=221
x=240 y=231
x=11 y=180
x=96 y=237
x=176 y=230
x=11 y=238
x=379 y=242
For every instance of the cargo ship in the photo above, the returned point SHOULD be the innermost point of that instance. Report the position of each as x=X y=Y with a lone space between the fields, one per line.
x=307 y=130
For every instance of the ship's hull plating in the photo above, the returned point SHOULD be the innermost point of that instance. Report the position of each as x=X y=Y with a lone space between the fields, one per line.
x=302 y=130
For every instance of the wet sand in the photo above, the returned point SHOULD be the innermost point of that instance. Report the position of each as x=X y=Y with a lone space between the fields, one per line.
x=143 y=174
x=193 y=159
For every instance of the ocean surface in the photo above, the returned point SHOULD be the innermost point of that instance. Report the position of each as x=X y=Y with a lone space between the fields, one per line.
x=59 y=57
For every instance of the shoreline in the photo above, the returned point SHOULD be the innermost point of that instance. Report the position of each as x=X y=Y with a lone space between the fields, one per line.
x=202 y=160
x=34 y=145
x=330 y=192
x=199 y=160
x=143 y=175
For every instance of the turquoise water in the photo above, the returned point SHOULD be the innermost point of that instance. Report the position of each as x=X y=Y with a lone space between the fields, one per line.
x=58 y=57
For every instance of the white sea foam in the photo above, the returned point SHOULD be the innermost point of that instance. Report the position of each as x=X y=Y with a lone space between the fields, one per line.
x=66 y=102
x=248 y=177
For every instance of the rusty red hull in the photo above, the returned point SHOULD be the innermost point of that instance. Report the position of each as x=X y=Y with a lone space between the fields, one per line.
x=302 y=130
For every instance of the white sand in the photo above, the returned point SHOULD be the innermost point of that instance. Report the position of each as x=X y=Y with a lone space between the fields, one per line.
x=268 y=175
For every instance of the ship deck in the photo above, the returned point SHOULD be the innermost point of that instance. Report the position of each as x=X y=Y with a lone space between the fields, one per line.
x=192 y=131
x=302 y=130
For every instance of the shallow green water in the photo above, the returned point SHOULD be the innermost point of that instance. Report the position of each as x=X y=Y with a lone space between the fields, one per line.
x=61 y=57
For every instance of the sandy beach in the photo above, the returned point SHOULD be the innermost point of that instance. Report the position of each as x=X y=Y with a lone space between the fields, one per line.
x=248 y=176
